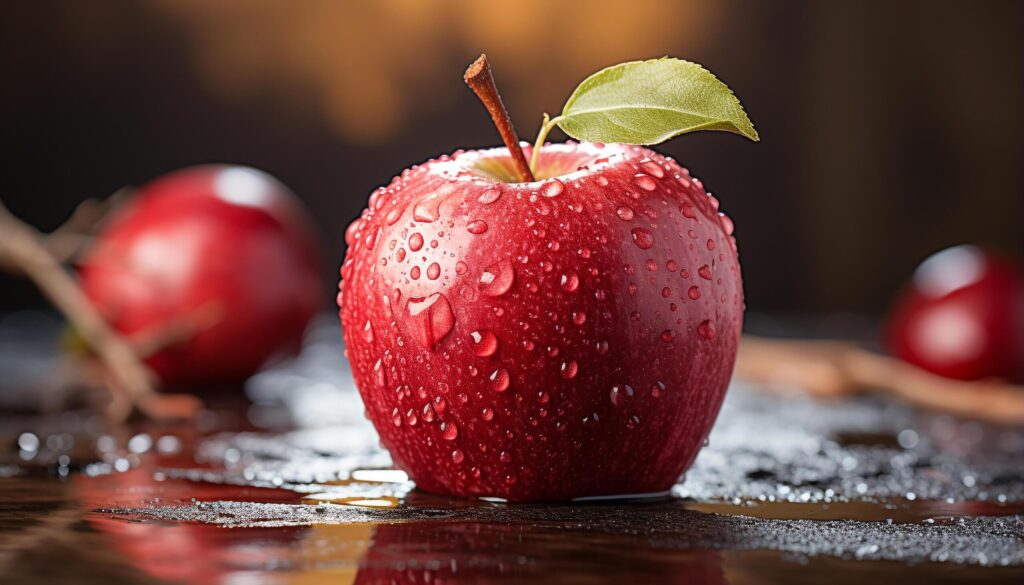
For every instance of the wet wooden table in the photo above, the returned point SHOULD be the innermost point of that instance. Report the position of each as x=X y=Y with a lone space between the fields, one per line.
x=286 y=483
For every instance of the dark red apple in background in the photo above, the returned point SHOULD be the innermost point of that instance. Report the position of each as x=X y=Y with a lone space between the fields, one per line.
x=223 y=239
x=962 y=316
x=568 y=337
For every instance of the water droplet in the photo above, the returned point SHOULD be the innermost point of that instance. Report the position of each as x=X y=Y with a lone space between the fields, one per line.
x=393 y=215
x=693 y=292
x=657 y=389
x=579 y=317
x=553 y=188
x=651 y=265
x=431 y=319
x=477 y=226
x=400 y=254
x=727 y=224
x=500 y=380
x=704 y=272
x=666 y=292
x=621 y=394
x=497 y=278
x=653 y=168
x=570 y=281
x=433 y=271
x=601 y=181
x=668 y=335
x=411 y=418
x=416 y=242
x=485 y=343
x=487 y=414
x=706 y=329
x=489 y=196
x=568 y=369
x=396 y=417
x=624 y=213
x=505 y=457
x=371 y=239
x=645 y=182
x=642 y=238
x=368 y=332
x=429 y=209
x=380 y=375
x=601 y=347
x=457 y=456
x=449 y=431
x=461 y=267
x=711 y=244
x=687 y=211
x=415 y=273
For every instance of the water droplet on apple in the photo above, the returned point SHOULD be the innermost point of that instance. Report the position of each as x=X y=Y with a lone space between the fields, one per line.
x=416 y=242
x=461 y=267
x=657 y=389
x=570 y=282
x=500 y=380
x=477 y=226
x=457 y=456
x=668 y=336
x=433 y=271
x=410 y=418
x=601 y=347
x=431 y=319
x=666 y=292
x=553 y=188
x=645 y=182
x=415 y=273
x=727 y=224
x=568 y=369
x=704 y=272
x=621 y=394
x=371 y=239
x=601 y=181
x=653 y=168
x=642 y=238
x=396 y=417
x=711 y=244
x=489 y=196
x=485 y=343
x=449 y=431
x=505 y=457
x=706 y=329
x=693 y=292
x=497 y=278
x=624 y=213
x=487 y=414
x=579 y=317
x=429 y=209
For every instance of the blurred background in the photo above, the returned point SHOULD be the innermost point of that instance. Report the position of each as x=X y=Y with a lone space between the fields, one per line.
x=889 y=130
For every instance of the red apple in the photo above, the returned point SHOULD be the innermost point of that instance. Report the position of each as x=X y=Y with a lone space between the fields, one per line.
x=550 y=340
x=226 y=241
x=962 y=316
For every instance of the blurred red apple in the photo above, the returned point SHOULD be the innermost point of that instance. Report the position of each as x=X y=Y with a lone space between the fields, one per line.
x=962 y=316
x=550 y=340
x=226 y=240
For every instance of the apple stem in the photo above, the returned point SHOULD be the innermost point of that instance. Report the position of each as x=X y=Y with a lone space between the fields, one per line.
x=545 y=128
x=479 y=77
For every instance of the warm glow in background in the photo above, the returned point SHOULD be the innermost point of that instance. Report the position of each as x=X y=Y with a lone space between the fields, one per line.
x=890 y=130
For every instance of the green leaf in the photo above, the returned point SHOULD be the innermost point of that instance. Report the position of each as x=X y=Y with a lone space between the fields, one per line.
x=647 y=102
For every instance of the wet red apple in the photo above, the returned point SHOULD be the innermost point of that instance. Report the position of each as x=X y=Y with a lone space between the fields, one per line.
x=962 y=316
x=226 y=247
x=550 y=340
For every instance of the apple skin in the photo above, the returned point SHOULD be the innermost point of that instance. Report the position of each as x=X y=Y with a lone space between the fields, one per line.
x=551 y=340
x=962 y=316
x=229 y=241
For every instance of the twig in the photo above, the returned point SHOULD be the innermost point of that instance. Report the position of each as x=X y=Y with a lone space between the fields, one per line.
x=22 y=248
x=835 y=369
